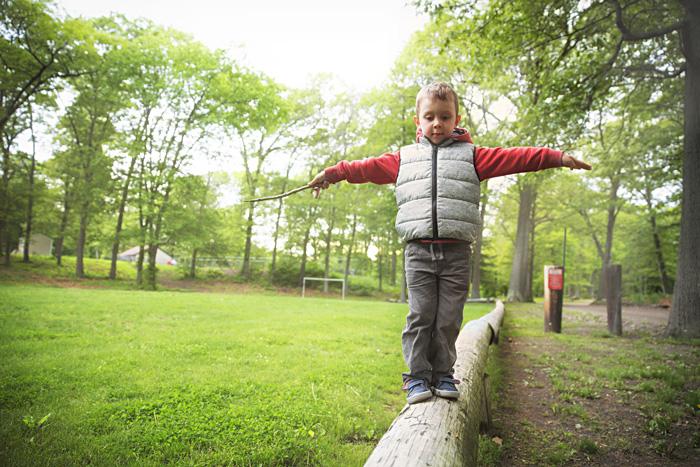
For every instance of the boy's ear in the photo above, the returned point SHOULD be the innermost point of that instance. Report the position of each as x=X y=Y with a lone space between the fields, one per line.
x=416 y=121
x=458 y=119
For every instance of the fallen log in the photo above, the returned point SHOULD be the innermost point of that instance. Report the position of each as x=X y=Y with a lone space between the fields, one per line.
x=440 y=432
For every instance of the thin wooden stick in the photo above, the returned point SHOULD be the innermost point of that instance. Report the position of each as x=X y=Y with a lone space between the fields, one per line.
x=283 y=195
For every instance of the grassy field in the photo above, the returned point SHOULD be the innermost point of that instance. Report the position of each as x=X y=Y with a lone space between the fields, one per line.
x=44 y=270
x=114 y=377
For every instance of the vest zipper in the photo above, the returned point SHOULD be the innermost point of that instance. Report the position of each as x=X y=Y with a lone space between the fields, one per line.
x=433 y=193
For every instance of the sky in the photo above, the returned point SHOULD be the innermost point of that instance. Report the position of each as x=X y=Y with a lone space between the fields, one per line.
x=356 y=40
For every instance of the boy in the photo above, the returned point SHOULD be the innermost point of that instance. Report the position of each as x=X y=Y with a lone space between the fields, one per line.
x=437 y=192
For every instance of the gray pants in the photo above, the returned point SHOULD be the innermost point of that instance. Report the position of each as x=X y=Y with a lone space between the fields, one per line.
x=437 y=276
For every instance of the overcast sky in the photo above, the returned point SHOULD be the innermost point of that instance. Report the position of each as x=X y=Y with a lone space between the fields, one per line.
x=356 y=40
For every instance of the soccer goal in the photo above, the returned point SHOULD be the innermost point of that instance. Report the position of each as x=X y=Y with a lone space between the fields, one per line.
x=303 y=284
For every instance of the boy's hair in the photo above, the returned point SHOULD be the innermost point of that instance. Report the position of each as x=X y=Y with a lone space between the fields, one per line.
x=439 y=89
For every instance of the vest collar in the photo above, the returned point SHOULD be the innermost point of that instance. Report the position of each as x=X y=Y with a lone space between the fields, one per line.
x=423 y=140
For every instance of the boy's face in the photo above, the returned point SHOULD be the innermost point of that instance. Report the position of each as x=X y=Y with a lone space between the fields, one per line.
x=437 y=118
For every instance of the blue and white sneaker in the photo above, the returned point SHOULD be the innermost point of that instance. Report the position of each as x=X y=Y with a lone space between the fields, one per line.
x=446 y=388
x=418 y=390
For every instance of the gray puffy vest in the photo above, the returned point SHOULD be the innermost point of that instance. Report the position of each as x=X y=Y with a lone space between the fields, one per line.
x=437 y=192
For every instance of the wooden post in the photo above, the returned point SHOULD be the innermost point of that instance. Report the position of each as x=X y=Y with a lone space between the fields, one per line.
x=613 y=298
x=553 y=298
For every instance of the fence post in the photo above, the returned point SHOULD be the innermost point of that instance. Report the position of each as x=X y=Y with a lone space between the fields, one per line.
x=553 y=297
x=613 y=298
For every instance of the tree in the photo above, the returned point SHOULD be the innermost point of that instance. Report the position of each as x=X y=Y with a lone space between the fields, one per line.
x=609 y=46
x=174 y=115
x=191 y=226
x=86 y=129
x=37 y=52
x=259 y=131
x=136 y=59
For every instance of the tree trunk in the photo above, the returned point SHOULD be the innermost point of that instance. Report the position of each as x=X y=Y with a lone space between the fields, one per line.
x=476 y=256
x=329 y=234
x=380 y=259
x=30 y=212
x=610 y=229
x=348 y=258
x=302 y=269
x=8 y=250
x=30 y=200
x=154 y=244
x=276 y=237
x=531 y=254
x=80 y=247
x=193 y=264
x=245 y=269
x=5 y=208
x=519 y=280
x=120 y=220
x=684 y=319
x=666 y=286
x=279 y=215
x=63 y=226
x=139 y=264
x=151 y=269
x=393 y=267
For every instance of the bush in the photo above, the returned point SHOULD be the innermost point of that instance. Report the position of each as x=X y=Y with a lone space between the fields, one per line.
x=287 y=272
x=368 y=285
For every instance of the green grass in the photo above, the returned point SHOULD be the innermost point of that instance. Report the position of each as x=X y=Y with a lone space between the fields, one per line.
x=45 y=270
x=96 y=271
x=114 y=377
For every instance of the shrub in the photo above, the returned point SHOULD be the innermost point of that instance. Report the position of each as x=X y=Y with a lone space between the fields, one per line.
x=287 y=272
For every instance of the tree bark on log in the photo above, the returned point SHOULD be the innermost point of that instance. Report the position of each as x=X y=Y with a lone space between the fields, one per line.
x=443 y=432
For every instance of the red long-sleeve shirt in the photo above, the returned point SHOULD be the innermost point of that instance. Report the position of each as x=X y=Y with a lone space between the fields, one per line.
x=489 y=163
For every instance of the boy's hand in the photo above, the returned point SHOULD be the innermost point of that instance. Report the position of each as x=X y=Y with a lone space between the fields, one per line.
x=573 y=163
x=319 y=183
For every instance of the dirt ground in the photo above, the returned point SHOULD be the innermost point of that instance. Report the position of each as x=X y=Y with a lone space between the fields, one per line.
x=637 y=315
x=535 y=426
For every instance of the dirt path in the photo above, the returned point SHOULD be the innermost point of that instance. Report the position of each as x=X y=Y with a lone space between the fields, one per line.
x=539 y=428
x=635 y=314
x=582 y=398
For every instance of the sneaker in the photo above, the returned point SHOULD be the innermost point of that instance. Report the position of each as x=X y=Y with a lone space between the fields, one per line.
x=446 y=387
x=418 y=390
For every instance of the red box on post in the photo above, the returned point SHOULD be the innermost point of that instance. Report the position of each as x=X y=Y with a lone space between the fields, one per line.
x=555 y=279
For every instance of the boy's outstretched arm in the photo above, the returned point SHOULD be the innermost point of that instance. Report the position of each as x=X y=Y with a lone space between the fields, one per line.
x=497 y=162
x=380 y=170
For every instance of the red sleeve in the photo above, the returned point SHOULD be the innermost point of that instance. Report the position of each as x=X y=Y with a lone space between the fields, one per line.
x=496 y=162
x=380 y=170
